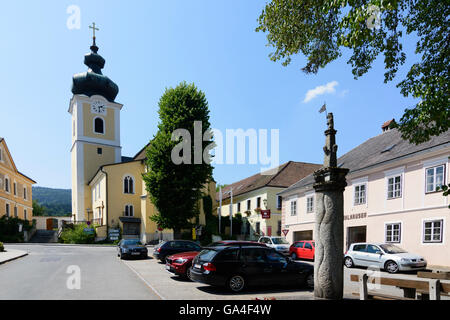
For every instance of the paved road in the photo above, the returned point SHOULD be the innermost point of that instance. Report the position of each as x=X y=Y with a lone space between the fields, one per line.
x=42 y=274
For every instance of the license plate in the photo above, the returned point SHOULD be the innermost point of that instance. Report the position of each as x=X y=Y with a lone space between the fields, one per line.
x=197 y=266
x=135 y=253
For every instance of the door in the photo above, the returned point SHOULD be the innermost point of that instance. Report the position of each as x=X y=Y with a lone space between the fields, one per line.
x=303 y=235
x=308 y=252
x=281 y=273
x=255 y=268
x=373 y=256
x=49 y=223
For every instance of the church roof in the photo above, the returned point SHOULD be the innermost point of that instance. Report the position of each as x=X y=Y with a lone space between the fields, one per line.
x=93 y=81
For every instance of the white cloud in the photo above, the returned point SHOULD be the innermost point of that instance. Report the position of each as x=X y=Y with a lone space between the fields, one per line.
x=320 y=90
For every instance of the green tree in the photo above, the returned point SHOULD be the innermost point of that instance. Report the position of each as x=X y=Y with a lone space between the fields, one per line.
x=38 y=210
x=320 y=29
x=175 y=189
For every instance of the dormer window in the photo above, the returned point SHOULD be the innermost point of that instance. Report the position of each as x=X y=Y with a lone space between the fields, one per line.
x=99 y=125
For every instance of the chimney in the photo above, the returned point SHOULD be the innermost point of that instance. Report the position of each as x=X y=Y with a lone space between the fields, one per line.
x=388 y=125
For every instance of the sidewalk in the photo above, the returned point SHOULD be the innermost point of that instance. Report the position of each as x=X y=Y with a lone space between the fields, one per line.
x=11 y=254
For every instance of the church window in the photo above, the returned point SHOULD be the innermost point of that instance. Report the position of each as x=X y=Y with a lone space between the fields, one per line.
x=99 y=125
x=129 y=210
x=128 y=185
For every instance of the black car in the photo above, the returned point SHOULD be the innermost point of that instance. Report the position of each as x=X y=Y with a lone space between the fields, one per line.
x=240 y=267
x=171 y=247
x=131 y=248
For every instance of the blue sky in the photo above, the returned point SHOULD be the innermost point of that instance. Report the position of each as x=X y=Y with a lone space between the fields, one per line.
x=152 y=45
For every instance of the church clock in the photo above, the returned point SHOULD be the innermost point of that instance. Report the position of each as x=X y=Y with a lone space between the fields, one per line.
x=98 y=107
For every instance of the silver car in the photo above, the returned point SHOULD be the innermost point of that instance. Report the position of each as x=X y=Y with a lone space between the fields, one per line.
x=278 y=243
x=383 y=256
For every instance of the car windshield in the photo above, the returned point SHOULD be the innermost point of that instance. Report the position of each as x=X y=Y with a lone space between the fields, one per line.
x=390 y=248
x=279 y=241
x=131 y=242
x=206 y=255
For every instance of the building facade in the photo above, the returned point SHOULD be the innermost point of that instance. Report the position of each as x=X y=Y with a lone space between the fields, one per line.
x=259 y=192
x=15 y=188
x=390 y=197
x=107 y=188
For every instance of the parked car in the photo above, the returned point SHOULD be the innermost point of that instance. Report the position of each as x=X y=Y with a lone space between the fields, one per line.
x=171 y=247
x=278 y=243
x=239 y=267
x=302 y=250
x=127 y=248
x=384 y=256
x=180 y=263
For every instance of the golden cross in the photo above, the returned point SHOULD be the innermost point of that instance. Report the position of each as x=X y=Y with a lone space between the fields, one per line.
x=93 y=28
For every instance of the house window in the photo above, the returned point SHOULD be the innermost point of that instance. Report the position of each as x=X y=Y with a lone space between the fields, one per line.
x=238 y=207
x=15 y=212
x=394 y=187
x=279 y=202
x=293 y=208
x=99 y=125
x=258 y=227
x=7 y=209
x=258 y=202
x=15 y=188
x=6 y=184
x=25 y=214
x=310 y=204
x=25 y=193
x=279 y=228
x=128 y=185
x=99 y=150
x=393 y=232
x=434 y=178
x=129 y=211
x=360 y=194
x=249 y=204
x=432 y=231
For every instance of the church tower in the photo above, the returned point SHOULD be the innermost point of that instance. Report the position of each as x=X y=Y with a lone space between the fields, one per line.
x=95 y=129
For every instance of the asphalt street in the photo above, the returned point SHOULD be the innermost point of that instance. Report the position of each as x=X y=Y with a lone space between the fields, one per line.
x=51 y=272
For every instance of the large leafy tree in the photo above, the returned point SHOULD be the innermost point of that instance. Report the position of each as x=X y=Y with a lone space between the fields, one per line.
x=320 y=29
x=175 y=189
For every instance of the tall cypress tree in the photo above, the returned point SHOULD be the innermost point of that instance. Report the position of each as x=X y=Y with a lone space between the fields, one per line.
x=175 y=189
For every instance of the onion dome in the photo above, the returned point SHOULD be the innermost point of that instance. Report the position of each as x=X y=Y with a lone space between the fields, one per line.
x=93 y=81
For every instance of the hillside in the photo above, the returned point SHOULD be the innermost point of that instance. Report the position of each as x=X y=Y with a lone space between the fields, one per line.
x=56 y=202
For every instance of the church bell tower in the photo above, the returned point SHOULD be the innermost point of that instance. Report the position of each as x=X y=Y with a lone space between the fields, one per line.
x=95 y=129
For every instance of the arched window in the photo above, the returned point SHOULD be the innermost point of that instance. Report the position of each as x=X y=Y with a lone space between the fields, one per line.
x=128 y=184
x=129 y=210
x=99 y=125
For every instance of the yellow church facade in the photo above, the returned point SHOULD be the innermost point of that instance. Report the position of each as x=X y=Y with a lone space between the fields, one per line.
x=107 y=188
x=15 y=188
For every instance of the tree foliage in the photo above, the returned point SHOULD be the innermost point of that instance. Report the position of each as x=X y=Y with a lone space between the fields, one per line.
x=321 y=29
x=175 y=190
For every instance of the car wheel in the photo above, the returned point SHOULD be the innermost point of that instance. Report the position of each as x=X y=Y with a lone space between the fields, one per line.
x=236 y=283
x=348 y=262
x=310 y=280
x=391 y=267
x=188 y=273
x=294 y=256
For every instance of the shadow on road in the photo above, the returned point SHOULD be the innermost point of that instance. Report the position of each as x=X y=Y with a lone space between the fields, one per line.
x=253 y=290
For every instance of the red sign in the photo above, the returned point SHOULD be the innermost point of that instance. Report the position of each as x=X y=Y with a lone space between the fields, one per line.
x=285 y=232
x=265 y=214
x=160 y=229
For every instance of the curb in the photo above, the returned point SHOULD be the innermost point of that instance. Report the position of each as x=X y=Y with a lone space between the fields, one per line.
x=14 y=258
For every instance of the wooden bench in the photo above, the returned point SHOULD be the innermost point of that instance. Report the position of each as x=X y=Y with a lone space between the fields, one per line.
x=431 y=289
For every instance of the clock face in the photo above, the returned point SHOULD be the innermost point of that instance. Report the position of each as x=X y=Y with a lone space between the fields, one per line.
x=98 y=107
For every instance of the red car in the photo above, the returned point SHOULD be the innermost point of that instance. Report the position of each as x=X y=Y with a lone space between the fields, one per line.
x=304 y=249
x=180 y=263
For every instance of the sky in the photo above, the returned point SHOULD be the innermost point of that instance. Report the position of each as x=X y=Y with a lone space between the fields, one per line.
x=153 y=45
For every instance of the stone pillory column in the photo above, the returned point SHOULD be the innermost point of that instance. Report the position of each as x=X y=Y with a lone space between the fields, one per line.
x=329 y=227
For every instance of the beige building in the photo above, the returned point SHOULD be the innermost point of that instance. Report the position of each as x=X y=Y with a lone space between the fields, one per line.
x=107 y=188
x=259 y=192
x=390 y=196
x=15 y=188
